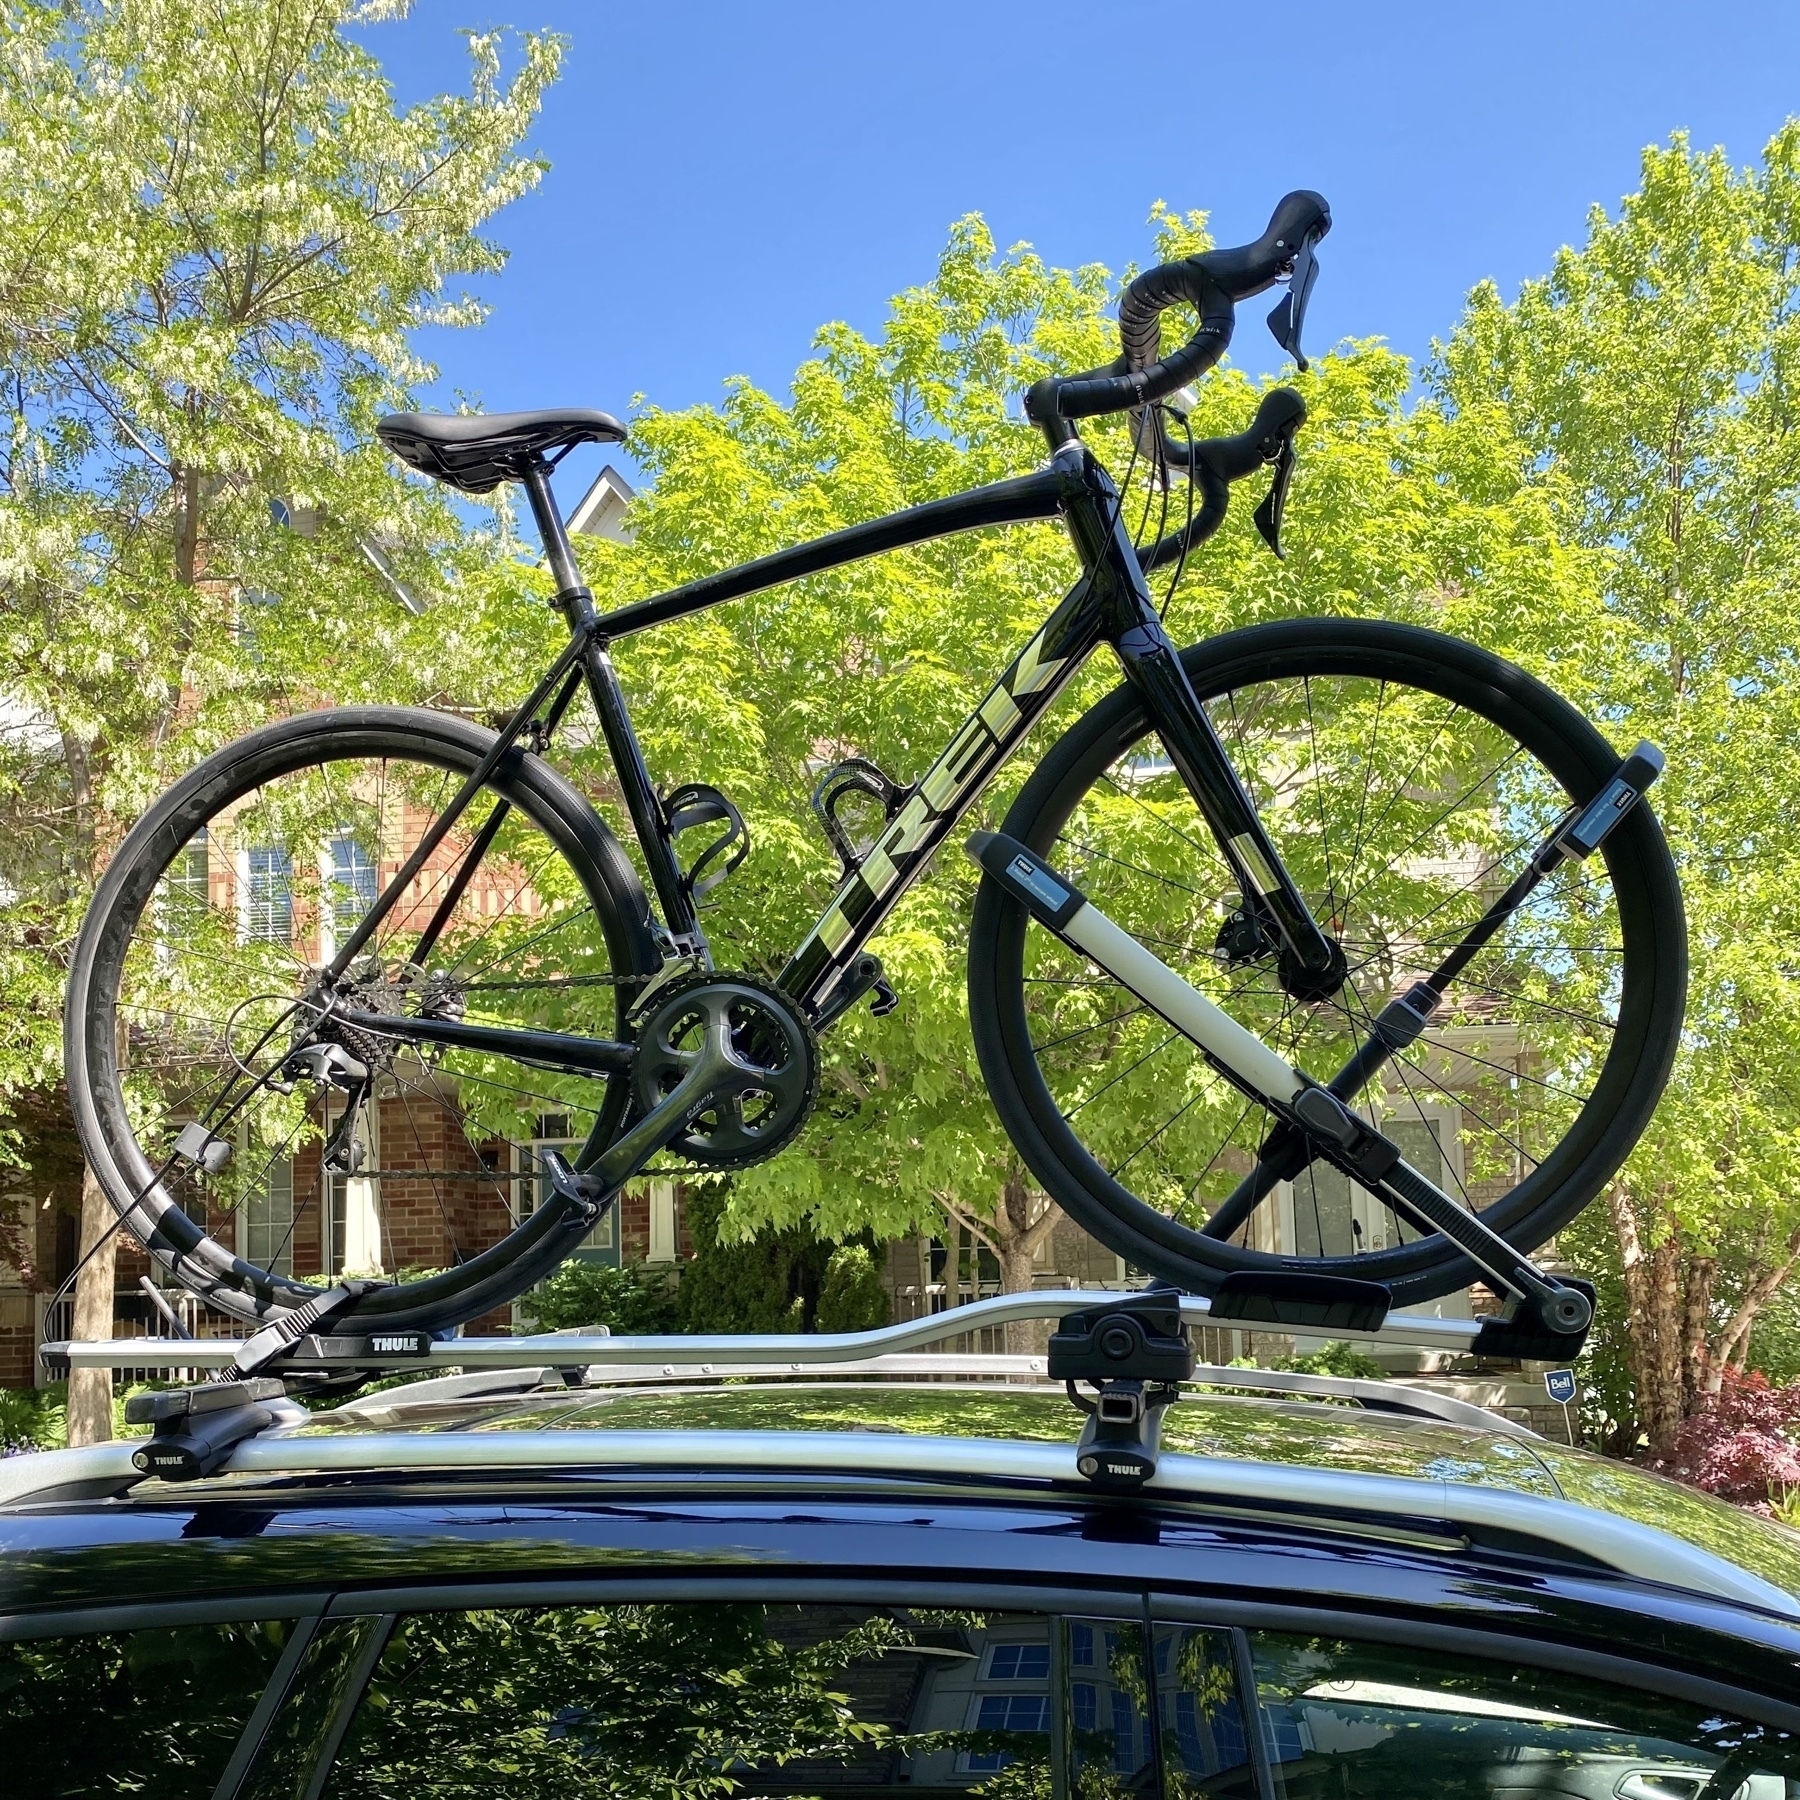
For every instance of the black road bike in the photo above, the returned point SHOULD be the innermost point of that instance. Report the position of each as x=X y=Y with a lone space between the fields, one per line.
x=1326 y=963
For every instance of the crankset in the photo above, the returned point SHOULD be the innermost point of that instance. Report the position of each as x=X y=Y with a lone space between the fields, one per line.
x=752 y=1054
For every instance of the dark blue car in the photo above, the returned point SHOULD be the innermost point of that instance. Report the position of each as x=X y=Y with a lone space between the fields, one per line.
x=500 y=1584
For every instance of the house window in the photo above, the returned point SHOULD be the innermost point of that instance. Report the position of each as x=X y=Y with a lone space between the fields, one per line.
x=1110 y=1731
x=1019 y=1662
x=1421 y=1142
x=268 y=895
x=266 y=1219
x=1334 y=1216
x=1324 y=1220
x=1203 y=1727
x=351 y=878
x=1007 y=1712
x=351 y=1223
x=1010 y=1667
x=187 y=884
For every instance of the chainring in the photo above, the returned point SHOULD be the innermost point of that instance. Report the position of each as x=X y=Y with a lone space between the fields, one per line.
x=768 y=1032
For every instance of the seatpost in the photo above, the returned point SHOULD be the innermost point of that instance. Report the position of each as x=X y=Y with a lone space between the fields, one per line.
x=573 y=598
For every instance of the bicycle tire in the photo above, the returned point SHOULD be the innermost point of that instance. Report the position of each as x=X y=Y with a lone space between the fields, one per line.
x=1646 y=902
x=540 y=800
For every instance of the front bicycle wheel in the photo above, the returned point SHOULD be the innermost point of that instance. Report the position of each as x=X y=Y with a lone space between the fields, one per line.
x=219 y=1103
x=1405 y=778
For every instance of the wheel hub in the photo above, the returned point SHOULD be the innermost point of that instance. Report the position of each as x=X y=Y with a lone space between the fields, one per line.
x=754 y=1032
x=1312 y=984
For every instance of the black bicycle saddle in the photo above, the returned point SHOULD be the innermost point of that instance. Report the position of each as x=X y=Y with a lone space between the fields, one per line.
x=478 y=451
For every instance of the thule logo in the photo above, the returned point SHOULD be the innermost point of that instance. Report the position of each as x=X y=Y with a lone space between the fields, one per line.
x=400 y=1343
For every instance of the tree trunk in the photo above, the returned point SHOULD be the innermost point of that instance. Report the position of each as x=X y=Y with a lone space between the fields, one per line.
x=1696 y=1354
x=1734 y=1340
x=90 y=1390
x=1655 y=1320
x=1015 y=1237
x=1677 y=1358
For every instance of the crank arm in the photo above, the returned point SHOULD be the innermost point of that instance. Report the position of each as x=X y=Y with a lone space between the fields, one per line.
x=1312 y=1111
x=715 y=1075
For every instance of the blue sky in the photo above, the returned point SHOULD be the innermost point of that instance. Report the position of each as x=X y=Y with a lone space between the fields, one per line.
x=726 y=177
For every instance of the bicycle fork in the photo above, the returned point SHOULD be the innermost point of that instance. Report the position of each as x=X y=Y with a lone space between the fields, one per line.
x=1311 y=962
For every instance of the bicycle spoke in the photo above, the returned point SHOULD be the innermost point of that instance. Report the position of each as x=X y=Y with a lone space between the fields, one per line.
x=1114 y=1080
x=1400 y=814
x=1085 y=1030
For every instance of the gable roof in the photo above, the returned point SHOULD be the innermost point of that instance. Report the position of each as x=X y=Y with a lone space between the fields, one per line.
x=601 y=510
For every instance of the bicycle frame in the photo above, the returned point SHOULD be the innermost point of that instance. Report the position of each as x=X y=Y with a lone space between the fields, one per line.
x=1111 y=603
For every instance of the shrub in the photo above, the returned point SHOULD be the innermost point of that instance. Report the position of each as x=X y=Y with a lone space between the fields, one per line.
x=1743 y=1446
x=636 y=1301
x=851 y=1297
x=37 y=1418
x=1336 y=1359
x=31 y=1419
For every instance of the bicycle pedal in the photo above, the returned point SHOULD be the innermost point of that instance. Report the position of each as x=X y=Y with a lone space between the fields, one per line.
x=855 y=775
x=572 y=1185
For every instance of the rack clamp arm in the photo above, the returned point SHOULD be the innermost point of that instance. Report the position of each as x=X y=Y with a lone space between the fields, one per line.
x=1136 y=1354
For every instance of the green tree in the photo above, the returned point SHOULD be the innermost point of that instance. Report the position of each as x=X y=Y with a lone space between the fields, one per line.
x=1649 y=385
x=216 y=230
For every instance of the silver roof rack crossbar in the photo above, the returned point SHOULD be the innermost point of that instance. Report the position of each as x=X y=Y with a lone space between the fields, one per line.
x=1376 y=1396
x=409 y=1349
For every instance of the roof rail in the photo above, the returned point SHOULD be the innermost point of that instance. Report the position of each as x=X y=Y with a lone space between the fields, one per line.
x=1562 y=1527
x=410 y=1349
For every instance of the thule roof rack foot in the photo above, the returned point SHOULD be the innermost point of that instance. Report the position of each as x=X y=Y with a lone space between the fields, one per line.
x=197 y=1427
x=1136 y=1353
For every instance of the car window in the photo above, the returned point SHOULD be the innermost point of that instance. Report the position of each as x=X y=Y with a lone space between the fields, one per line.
x=704 y=1700
x=1111 y=1741
x=324 y=1684
x=1205 y=1750
x=148 y=1713
x=1348 y=1721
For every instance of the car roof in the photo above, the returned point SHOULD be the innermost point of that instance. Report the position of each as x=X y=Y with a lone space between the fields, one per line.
x=1310 y=1460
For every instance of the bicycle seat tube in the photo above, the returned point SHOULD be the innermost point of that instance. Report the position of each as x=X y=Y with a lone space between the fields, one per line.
x=1129 y=621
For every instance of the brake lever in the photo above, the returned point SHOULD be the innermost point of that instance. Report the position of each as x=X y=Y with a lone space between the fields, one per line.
x=1287 y=318
x=1268 y=515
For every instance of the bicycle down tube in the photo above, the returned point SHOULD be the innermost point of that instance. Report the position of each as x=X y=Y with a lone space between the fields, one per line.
x=1111 y=604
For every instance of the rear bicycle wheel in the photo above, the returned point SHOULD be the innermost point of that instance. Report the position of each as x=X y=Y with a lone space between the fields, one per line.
x=1405 y=778
x=189 y=996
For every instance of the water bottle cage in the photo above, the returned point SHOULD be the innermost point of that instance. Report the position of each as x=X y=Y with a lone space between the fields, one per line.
x=855 y=775
x=697 y=804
